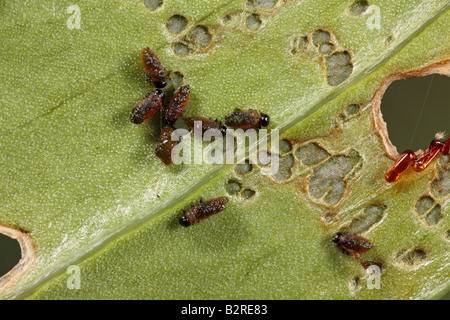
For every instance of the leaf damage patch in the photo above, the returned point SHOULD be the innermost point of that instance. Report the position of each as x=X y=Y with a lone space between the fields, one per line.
x=28 y=252
x=380 y=125
x=411 y=258
x=336 y=61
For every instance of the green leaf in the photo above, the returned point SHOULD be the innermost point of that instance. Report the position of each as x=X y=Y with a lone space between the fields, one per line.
x=85 y=183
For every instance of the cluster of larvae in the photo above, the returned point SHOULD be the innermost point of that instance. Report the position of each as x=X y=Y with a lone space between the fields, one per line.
x=154 y=101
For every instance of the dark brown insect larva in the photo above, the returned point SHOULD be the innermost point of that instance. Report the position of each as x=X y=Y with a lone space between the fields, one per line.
x=203 y=210
x=147 y=107
x=154 y=68
x=177 y=105
x=354 y=245
x=200 y=124
x=351 y=243
x=165 y=145
x=251 y=118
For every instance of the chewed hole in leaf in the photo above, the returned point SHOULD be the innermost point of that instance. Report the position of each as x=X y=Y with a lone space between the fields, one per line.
x=352 y=110
x=424 y=204
x=371 y=216
x=286 y=163
x=327 y=183
x=182 y=49
x=284 y=146
x=320 y=37
x=233 y=187
x=253 y=22
x=311 y=154
x=407 y=258
x=11 y=254
x=202 y=36
x=415 y=101
x=299 y=43
x=434 y=216
x=339 y=67
x=261 y=4
x=388 y=40
x=355 y=285
x=243 y=168
x=358 y=7
x=18 y=255
x=248 y=194
x=153 y=5
x=440 y=187
x=176 y=23
x=227 y=19
x=326 y=48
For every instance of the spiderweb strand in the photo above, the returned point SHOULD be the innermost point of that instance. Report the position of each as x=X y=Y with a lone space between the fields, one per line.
x=421 y=112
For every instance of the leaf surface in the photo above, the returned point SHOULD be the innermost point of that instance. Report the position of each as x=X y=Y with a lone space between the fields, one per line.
x=85 y=183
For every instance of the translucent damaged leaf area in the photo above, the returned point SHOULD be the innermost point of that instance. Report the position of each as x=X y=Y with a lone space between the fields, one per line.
x=89 y=188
